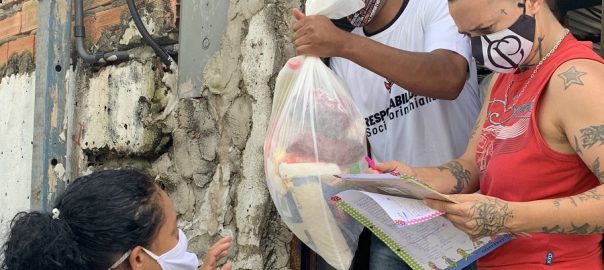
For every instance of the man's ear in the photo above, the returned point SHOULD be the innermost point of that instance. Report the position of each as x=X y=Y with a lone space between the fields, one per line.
x=533 y=6
x=137 y=258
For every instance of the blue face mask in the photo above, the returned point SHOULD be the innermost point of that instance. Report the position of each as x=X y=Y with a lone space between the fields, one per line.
x=506 y=50
x=175 y=259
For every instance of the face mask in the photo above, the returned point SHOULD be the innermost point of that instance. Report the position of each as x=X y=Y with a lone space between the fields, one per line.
x=175 y=259
x=364 y=16
x=506 y=50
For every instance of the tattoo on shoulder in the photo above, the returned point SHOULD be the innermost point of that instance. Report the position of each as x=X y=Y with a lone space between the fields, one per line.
x=592 y=135
x=462 y=176
x=575 y=229
x=572 y=76
x=595 y=168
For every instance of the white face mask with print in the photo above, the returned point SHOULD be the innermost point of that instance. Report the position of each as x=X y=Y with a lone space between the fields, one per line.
x=506 y=50
x=175 y=259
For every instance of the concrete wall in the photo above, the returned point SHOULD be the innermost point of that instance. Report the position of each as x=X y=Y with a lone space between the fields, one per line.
x=18 y=23
x=16 y=126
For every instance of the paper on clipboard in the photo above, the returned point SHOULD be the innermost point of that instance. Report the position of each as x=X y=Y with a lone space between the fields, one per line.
x=403 y=186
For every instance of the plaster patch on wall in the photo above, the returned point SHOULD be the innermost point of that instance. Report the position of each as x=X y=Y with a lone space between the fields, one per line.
x=115 y=107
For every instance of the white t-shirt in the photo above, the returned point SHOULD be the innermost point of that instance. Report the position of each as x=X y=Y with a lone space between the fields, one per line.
x=401 y=126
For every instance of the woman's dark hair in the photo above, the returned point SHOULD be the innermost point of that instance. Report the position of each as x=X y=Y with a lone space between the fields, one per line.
x=102 y=215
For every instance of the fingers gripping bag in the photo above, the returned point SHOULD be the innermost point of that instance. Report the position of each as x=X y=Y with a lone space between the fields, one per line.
x=315 y=132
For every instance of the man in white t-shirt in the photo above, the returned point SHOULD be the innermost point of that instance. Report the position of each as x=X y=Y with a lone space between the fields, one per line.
x=410 y=73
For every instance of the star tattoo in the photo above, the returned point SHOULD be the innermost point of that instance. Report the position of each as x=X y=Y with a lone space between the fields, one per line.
x=572 y=76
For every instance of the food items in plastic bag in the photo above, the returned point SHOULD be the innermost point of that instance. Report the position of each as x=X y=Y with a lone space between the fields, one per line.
x=315 y=132
x=322 y=231
x=335 y=150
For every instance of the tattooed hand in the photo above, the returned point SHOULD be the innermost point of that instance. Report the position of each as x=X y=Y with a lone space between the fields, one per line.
x=475 y=214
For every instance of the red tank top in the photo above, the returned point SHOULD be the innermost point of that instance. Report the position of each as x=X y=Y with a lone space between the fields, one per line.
x=516 y=164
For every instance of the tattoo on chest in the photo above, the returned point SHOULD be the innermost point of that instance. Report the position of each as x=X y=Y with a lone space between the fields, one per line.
x=462 y=176
x=572 y=77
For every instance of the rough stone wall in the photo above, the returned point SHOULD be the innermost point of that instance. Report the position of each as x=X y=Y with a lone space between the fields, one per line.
x=206 y=152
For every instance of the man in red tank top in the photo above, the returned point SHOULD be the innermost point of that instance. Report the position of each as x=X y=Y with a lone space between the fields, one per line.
x=535 y=156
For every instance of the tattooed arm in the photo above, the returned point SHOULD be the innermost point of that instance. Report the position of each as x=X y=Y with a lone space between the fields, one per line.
x=576 y=98
x=571 y=120
x=456 y=176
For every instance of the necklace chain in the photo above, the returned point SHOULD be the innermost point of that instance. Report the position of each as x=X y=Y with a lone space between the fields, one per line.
x=516 y=97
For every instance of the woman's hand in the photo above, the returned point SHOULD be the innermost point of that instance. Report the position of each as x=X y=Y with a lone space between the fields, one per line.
x=393 y=167
x=218 y=251
x=477 y=215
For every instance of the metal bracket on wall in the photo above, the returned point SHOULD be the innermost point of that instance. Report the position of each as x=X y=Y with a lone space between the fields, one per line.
x=202 y=25
x=52 y=64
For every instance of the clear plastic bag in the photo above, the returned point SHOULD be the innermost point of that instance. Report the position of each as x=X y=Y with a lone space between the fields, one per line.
x=315 y=132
